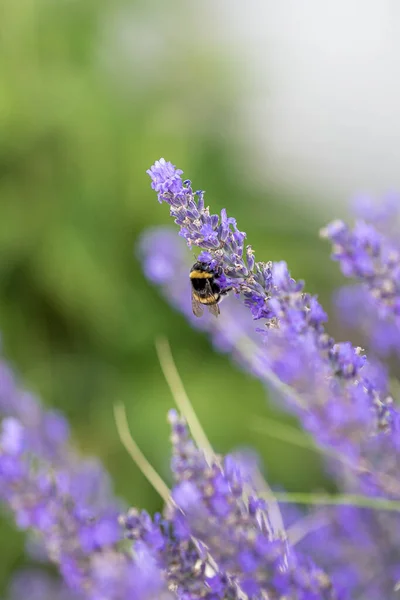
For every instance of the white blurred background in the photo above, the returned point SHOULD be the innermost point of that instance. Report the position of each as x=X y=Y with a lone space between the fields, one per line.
x=320 y=105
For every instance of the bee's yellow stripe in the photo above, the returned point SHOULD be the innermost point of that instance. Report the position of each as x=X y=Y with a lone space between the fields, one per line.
x=206 y=300
x=209 y=300
x=200 y=275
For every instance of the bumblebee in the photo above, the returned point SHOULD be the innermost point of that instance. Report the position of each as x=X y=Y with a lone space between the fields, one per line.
x=206 y=291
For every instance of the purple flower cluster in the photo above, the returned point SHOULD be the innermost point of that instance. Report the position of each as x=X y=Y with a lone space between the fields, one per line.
x=216 y=540
x=47 y=431
x=66 y=502
x=41 y=586
x=341 y=398
x=369 y=253
x=358 y=547
x=219 y=237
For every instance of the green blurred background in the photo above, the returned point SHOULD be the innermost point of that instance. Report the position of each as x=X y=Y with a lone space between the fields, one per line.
x=90 y=97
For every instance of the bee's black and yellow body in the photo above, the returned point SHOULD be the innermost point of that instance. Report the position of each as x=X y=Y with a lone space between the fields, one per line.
x=205 y=289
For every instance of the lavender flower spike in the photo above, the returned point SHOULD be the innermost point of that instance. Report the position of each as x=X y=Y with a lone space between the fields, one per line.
x=216 y=541
x=370 y=254
x=41 y=586
x=365 y=254
x=217 y=235
x=79 y=535
x=225 y=514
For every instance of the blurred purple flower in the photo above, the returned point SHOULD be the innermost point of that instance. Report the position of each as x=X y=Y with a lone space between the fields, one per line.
x=216 y=540
x=365 y=254
x=357 y=546
x=370 y=253
x=47 y=431
x=68 y=503
x=81 y=539
x=39 y=585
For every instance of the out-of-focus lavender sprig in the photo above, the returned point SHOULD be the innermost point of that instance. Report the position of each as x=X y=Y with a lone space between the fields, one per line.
x=358 y=546
x=67 y=502
x=47 y=437
x=341 y=398
x=383 y=213
x=370 y=253
x=219 y=536
x=357 y=310
x=81 y=539
x=39 y=585
x=48 y=430
x=365 y=254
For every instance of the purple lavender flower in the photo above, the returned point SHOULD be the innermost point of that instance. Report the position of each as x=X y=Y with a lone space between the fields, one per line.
x=341 y=398
x=220 y=236
x=366 y=255
x=165 y=178
x=47 y=430
x=225 y=514
x=383 y=213
x=370 y=253
x=357 y=310
x=216 y=541
x=358 y=547
x=186 y=563
x=68 y=504
x=39 y=585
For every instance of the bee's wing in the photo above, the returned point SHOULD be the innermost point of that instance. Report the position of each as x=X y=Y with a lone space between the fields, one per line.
x=197 y=308
x=214 y=309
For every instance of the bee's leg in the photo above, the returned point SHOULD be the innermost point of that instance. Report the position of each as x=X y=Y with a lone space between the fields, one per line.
x=226 y=291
